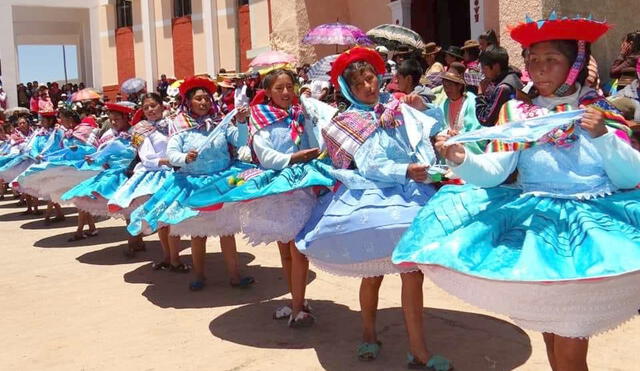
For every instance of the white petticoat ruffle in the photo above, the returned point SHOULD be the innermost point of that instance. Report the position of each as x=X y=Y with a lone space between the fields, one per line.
x=578 y=309
x=276 y=218
x=95 y=207
x=10 y=174
x=125 y=213
x=372 y=268
x=52 y=183
x=223 y=222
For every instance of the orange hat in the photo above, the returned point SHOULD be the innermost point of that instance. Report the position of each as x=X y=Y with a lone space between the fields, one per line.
x=48 y=113
x=193 y=82
x=356 y=54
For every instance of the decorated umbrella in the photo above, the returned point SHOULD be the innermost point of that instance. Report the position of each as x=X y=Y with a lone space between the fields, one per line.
x=85 y=94
x=174 y=89
x=133 y=85
x=272 y=58
x=336 y=34
x=394 y=37
x=16 y=110
x=320 y=69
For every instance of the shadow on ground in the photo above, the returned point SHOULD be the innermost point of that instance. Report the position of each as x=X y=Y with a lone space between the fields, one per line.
x=106 y=235
x=71 y=220
x=114 y=255
x=472 y=341
x=171 y=290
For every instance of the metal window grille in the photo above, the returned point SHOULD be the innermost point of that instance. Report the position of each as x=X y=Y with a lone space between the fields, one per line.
x=124 y=14
x=181 y=8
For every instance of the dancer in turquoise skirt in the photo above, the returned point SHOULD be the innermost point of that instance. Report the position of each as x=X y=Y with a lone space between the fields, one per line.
x=44 y=140
x=383 y=168
x=199 y=145
x=558 y=250
x=115 y=156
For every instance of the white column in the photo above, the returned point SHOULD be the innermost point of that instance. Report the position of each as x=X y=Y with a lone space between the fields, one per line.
x=8 y=55
x=96 y=56
x=477 y=18
x=149 y=43
x=401 y=12
x=211 y=35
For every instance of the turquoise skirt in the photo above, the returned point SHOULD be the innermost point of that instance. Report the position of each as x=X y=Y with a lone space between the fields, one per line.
x=565 y=266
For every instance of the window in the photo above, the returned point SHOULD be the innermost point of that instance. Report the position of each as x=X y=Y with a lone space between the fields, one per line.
x=181 y=8
x=123 y=13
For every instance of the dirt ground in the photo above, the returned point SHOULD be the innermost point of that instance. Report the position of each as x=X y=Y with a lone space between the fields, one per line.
x=83 y=306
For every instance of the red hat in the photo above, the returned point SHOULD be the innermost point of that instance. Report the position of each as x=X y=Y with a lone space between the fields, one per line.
x=356 y=54
x=197 y=82
x=584 y=29
x=48 y=113
x=137 y=117
x=118 y=107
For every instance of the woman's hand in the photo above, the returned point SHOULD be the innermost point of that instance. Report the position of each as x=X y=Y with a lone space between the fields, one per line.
x=417 y=172
x=243 y=113
x=106 y=166
x=164 y=162
x=415 y=101
x=89 y=159
x=455 y=153
x=191 y=156
x=304 y=156
x=593 y=123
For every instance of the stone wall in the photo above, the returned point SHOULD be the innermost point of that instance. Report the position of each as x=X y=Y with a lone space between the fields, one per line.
x=621 y=14
x=605 y=50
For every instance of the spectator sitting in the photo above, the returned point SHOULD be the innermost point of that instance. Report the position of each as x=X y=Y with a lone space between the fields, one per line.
x=501 y=84
x=408 y=78
x=41 y=102
x=453 y=54
x=488 y=40
x=473 y=74
x=623 y=67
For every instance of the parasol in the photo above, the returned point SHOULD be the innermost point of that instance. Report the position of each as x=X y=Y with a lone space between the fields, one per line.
x=336 y=34
x=394 y=37
x=133 y=85
x=272 y=58
x=85 y=94
x=320 y=70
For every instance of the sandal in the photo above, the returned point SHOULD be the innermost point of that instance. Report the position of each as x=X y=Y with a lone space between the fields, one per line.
x=27 y=212
x=58 y=219
x=285 y=311
x=141 y=247
x=160 y=266
x=92 y=233
x=369 y=351
x=302 y=320
x=435 y=363
x=244 y=283
x=76 y=237
x=180 y=268
x=37 y=212
x=196 y=285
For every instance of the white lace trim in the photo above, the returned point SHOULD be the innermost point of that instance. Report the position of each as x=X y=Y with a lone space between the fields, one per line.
x=223 y=222
x=53 y=183
x=125 y=213
x=95 y=207
x=372 y=268
x=577 y=309
x=276 y=218
x=10 y=174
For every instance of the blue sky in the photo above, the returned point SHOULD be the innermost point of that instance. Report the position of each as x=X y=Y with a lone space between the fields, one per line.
x=44 y=63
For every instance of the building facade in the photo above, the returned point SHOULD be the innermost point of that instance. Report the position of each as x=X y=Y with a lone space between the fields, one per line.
x=120 y=39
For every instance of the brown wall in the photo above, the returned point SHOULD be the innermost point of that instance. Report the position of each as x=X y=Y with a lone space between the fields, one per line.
x=125 y=55
x=182 y=47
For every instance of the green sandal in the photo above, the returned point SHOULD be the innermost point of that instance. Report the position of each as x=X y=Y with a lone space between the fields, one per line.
x=435 y=363
x=369 y=351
